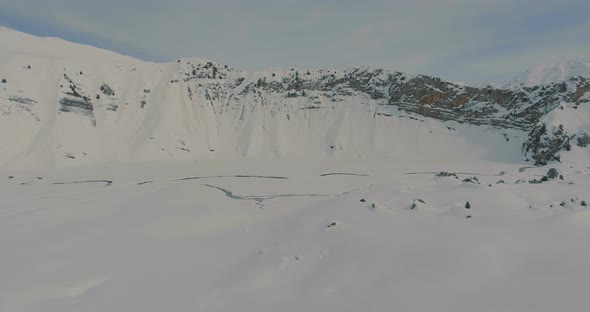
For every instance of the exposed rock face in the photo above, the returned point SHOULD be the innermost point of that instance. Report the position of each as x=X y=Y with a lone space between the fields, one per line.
x=74 y=101
x=520 y=108
x=563 y=127
x=107 y=90
x=432 y=97
x=544 y=146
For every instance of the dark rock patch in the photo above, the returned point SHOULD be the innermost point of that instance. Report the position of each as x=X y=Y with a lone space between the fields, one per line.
x=473 y=180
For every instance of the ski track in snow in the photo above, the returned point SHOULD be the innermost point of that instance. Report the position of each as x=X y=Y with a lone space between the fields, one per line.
x=106 y=182
x=214 y=177
x=464 y=173
x=31 y=181
x=260 y=199
x=344 y=174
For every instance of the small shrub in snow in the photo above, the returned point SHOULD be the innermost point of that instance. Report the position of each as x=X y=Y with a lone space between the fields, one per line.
x=467 y=205
x=473 y=180
x=445 y=174
x=552 y=174
x=584 y=140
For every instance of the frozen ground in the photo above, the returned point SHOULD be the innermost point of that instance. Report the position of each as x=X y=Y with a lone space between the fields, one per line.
x=324 y=202
x=287 y=235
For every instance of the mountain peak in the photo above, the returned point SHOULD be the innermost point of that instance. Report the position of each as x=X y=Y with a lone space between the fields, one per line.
x=544 y=74
x=17 y=43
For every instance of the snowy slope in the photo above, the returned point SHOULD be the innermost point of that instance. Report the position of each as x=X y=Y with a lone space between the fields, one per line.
x=191 y=186
x=21 y=45
x=380 y=240
x=562 y=134
x=545 y=74
x=76 y=105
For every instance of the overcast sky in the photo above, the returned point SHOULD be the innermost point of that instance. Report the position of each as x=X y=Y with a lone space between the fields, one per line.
x=462 y=40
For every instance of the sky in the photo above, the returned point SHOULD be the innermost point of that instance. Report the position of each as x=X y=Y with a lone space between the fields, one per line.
x=459 y=40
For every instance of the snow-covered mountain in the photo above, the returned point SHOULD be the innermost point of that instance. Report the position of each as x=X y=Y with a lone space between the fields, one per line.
x=74 y=105
x=551 y=73
x=356 y=189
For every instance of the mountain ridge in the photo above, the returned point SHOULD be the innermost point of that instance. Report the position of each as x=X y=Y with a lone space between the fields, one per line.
x=544 y=74
x=75 y=104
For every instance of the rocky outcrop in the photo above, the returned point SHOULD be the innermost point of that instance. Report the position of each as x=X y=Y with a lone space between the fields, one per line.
x=545 y=145
x=429 y=96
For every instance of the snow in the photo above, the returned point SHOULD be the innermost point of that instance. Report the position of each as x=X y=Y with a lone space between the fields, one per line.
x=545 y=74
x=572 y=117
x=200 y=203
x=179 y=244
x=27 y=46
x=160 y=112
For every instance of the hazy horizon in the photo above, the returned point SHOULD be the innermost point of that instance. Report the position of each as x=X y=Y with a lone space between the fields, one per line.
x=459 y=40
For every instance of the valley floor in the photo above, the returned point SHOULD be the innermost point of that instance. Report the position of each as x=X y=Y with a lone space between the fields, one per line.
x=295 y=235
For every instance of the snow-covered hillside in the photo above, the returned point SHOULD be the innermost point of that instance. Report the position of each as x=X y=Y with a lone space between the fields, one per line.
x=75 y=105
x=127 y=185
x=551 y=73
x=566 y=128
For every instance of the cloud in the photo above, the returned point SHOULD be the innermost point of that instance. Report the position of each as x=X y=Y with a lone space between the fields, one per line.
x=458 y=39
